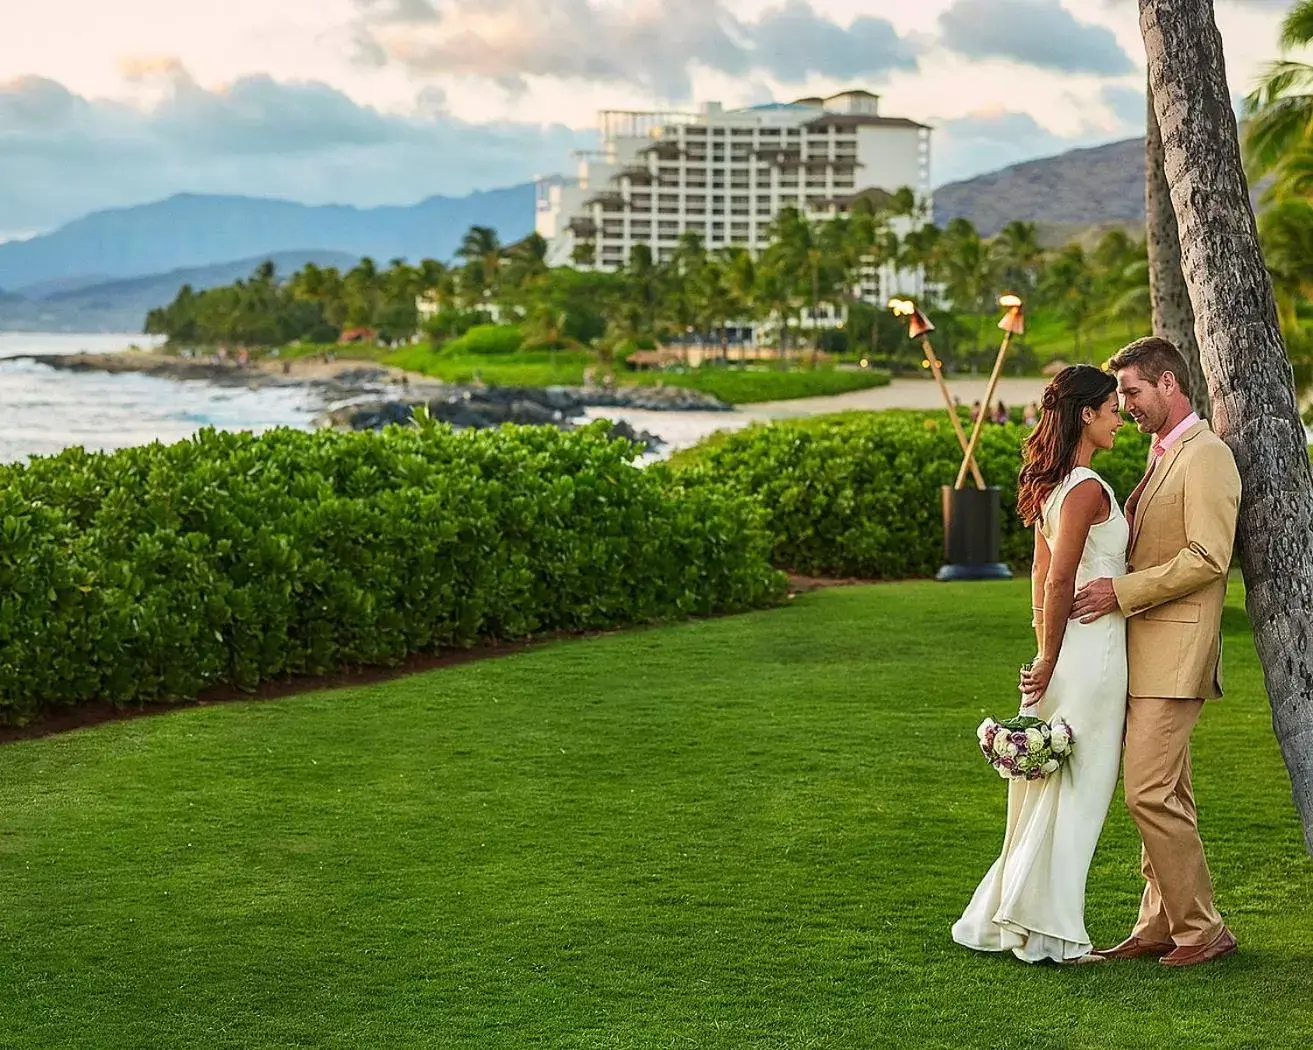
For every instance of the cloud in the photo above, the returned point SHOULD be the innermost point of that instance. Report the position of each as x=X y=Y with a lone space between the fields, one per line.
x=650 y=44
x=66 y=154
x=1127 y=105
x=1040 y=33
x=989 y=140
x=995 y=138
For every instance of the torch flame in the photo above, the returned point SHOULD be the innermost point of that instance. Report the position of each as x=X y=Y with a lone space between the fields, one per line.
x=902 y=307
x=1014 y=321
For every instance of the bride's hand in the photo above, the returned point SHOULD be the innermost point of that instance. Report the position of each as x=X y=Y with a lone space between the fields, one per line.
x=1035 y=678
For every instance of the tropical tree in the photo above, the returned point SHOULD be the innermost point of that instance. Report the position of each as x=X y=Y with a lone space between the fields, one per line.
x=1286 y=230
x=1067 y=287
x=584 y=254
x=481 y=250
x=785 y=269
x=684 y=284
x=1017 y=256
x=919 y=253
x=739 y=277
x=1169 y=298
x=964 y=265
x=525 y=261
x=1249 y=376
x=1279 y=112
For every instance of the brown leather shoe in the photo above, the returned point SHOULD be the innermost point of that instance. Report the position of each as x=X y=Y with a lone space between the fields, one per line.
x=1194 y=954
x=1134 y=948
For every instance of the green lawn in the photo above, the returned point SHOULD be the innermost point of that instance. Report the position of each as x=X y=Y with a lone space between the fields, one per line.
x=747 y=832
x=1051 y=339
x=544 y=368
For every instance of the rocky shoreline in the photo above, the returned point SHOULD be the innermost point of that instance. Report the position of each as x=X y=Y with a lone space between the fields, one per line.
x=482 y=407
x=360 y=395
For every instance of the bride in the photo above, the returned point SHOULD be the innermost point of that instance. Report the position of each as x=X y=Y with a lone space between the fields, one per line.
x=1032 y=901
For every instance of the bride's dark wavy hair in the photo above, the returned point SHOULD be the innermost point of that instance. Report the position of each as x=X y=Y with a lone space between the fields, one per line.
x=1050 y=452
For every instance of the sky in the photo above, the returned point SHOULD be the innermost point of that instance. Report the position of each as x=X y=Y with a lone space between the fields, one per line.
x=370 y=102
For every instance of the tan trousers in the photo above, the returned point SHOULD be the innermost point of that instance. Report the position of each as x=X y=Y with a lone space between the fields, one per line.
x=1177 y=905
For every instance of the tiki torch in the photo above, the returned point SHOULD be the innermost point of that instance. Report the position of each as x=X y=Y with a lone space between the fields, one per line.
x=919 y=327
x=1013 y=323
x=972 y=516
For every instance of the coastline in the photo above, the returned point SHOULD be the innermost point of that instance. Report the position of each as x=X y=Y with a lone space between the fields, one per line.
x=262 y=372
x=353 y=393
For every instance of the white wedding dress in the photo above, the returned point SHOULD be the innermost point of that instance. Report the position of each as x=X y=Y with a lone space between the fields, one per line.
x=1032 y=901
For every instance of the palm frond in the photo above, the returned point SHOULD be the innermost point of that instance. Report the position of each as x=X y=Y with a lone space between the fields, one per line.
x=1275 y=130
x=1297 y=27
x=1278 y=79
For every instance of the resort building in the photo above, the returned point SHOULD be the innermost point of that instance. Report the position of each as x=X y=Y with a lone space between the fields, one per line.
x=727 y=173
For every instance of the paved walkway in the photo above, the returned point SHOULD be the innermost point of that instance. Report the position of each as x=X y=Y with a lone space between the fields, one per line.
x=902 y=393
x=682 y=429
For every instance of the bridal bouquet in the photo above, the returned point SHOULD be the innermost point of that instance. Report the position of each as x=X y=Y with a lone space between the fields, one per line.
x=1025 y=747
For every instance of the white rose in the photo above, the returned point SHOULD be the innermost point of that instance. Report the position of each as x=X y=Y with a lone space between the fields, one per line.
x=1034 y=739
x=984 y=728
x=1061 y=738
x=1002 y=772
x=1051 y=766
x=1002 y=743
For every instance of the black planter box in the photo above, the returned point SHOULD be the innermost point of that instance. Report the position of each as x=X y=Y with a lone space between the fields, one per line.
x=971 y=535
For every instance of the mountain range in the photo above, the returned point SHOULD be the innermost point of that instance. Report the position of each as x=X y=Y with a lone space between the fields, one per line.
x=104 y=271
x=1080 y=188
x=95 y=304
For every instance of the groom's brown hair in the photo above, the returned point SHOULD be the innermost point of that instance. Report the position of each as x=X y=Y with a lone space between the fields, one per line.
x=1151 y=357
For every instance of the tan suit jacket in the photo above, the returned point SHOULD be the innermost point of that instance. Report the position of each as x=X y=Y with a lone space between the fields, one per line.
x=1180 y=552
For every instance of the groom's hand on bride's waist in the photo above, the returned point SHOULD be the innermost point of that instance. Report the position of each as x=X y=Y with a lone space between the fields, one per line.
x=1096 y=599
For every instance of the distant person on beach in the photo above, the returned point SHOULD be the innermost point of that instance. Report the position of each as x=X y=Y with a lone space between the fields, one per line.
x=1031 y=414
x=1001 y=414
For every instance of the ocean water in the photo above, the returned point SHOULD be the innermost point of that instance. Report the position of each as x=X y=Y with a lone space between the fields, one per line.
x=43 y=411
x=678 y=430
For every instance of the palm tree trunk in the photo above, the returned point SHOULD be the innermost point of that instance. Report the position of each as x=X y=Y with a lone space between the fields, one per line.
x=1173 y=316
x=1244 y=361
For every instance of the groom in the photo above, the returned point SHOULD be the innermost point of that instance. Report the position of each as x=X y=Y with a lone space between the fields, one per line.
x=1182 y=517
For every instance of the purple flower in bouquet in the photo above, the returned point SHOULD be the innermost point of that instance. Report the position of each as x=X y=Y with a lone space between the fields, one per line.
x=1025 y=748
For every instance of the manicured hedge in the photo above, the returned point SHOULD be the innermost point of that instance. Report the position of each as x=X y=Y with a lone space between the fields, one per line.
x=487 y=339
x=858 y=494
x=151 y=573
x=738 y=386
